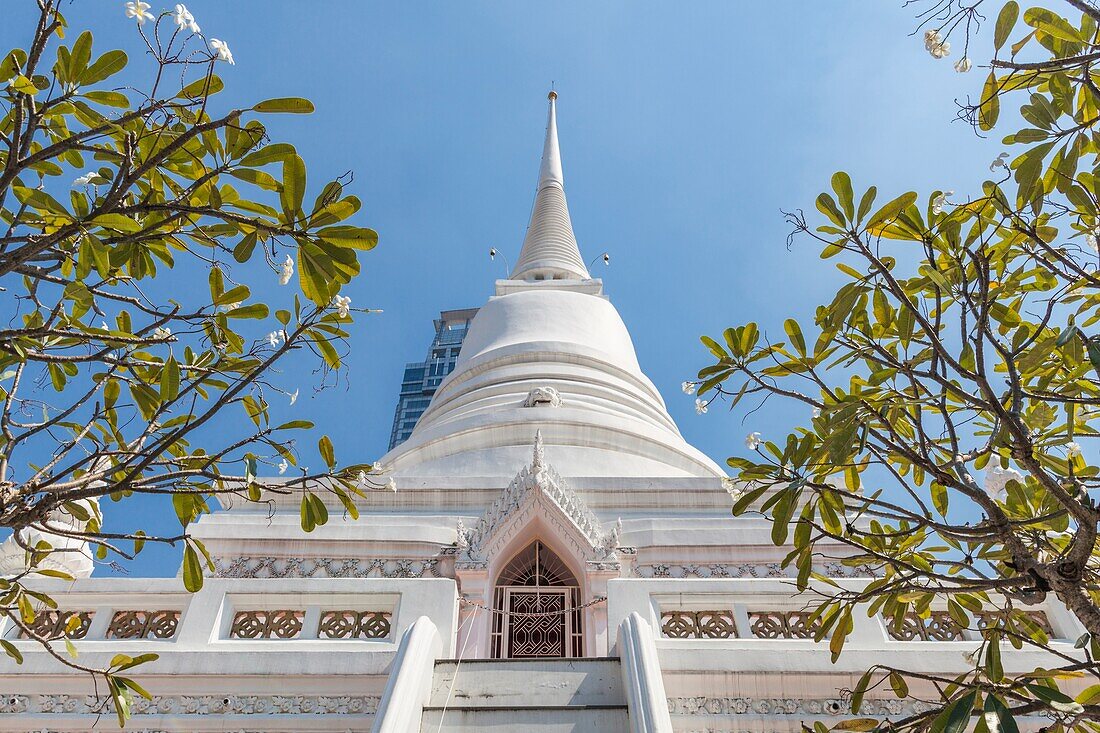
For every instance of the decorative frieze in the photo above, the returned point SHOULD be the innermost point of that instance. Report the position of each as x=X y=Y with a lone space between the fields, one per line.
x=830 y=707
x=194 y=705
x=59 y=624
x=325 y=567
x=698 y=624
x=143 y=625
x=354 y=625
x=285 y=624
x=741 y=570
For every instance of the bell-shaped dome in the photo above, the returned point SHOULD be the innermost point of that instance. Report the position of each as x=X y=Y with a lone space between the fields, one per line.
x=548 y=352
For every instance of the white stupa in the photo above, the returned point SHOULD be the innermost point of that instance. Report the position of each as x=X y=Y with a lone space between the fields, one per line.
x=555 y=558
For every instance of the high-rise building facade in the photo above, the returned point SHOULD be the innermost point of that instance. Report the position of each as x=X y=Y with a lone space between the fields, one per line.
x=422 y=378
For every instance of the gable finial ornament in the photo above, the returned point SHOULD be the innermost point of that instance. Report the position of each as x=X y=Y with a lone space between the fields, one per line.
x=537 y=490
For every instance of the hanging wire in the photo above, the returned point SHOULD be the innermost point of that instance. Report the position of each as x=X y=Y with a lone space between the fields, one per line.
x=540 y=614
x=458 y=663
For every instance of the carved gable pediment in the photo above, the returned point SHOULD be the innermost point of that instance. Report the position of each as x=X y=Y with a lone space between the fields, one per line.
x=538 y=493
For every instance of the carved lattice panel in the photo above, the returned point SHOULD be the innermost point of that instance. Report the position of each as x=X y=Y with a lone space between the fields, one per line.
x=698 y=624
x=284 y=624
x=783 y=624
x=59 y=624
x=939 y=626
x=536 y=623
x=354 y=625
x=143 y=625
x=987 y=619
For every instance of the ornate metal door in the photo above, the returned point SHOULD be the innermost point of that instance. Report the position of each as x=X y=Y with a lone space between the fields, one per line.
x=535 y=607
x=537 y=622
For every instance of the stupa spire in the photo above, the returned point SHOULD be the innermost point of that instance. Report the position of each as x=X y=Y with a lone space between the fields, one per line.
x=550 y=248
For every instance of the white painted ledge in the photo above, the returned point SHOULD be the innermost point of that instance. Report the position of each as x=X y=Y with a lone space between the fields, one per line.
x=410 y=682
x=642 y=681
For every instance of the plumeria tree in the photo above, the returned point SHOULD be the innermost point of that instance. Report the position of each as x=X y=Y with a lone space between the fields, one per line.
x=952 y=391
x=132 y=216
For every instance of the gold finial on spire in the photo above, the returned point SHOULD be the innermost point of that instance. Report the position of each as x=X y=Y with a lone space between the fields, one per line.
x=552 y=95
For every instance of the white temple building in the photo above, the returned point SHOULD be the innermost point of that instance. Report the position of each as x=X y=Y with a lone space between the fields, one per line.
x=556 y=558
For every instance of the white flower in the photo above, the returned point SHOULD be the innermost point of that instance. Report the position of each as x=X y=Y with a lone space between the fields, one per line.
x=85 y=179
x=964 y=65
x=1073 y=449
x=816 y=412
x=282 y=464
x=972 y=657
x=999 y=162
x=362 y=477
x=688 y=387
x=940 y=201
x=733 y=488
x=162 y=332
x=935 y=45
x=1092 y=239
x=1069 y=708
x=391 y=485
x=276 y=337
x=997 y=478
x=288 y=271
x=138 y=10
x=700 y=406
x=184 y=19
x=294 y=397
x=342 y=304
x=753 y=441
x=222 y=49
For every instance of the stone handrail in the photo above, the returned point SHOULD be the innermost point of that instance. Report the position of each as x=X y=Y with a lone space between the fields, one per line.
x=642 y=681
x=410 y=680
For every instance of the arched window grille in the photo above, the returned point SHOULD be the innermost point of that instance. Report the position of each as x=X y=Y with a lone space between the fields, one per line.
x=536 y=601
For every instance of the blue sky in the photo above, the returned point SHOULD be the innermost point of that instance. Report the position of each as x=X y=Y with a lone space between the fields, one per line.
x=685 y=129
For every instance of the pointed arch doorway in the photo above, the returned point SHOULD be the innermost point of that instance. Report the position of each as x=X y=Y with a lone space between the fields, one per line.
x=536 y=604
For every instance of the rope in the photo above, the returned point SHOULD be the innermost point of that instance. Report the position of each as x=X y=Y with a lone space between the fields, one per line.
x=458 y=663
x=540 y=614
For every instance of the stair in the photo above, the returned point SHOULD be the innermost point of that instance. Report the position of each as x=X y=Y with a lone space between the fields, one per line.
x=527 y=696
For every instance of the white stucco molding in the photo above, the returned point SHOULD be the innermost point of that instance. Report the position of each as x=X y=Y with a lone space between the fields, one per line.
x=538 y=492
x=642 y=680
x=410 y=681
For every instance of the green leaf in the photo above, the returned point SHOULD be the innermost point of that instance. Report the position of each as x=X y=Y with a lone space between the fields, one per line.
x=292 y=105
x=990 y=108
x=294 y=187
x=170 y=380
x=111 y=99
x=794 y=332
x=192 y=570
x=996 y=708
x=105 y=66
x=324 y=445
x=842 y=186
x=1006 y=20
x=11 y=651
x=890 y=211
x=861 y=690
x=827 y=206
x=1052 y=23
x=955 y=716
x=273 y=153
x=347 y=236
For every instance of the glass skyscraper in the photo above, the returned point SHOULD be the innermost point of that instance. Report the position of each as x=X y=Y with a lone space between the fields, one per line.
x=422 y=378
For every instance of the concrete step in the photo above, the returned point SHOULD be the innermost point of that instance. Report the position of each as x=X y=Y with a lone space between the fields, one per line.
x=520 y=683
x=571 y=719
